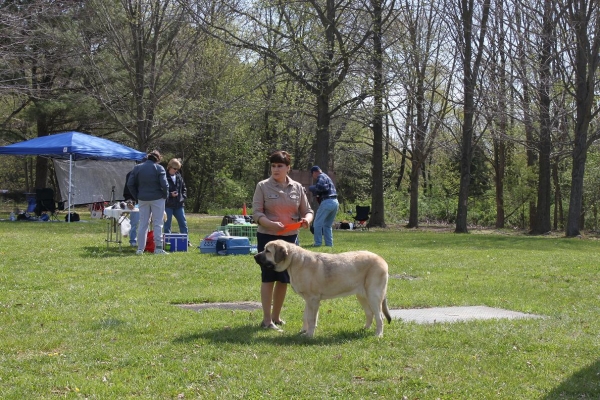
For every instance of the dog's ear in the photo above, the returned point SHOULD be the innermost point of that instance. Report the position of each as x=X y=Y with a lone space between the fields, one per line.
x=281 y=253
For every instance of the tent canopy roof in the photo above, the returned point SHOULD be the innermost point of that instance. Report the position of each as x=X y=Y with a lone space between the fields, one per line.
x=76 y=144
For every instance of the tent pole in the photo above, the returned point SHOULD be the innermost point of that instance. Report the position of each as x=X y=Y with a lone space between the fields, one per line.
x=69 y=199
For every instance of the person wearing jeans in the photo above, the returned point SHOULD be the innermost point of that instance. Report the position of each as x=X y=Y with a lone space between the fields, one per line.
x=174 y=206
x=134 y=220
x=325 y=191
x=134 y=217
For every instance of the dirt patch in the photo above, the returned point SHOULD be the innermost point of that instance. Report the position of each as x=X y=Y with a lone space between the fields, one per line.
x=243 y=305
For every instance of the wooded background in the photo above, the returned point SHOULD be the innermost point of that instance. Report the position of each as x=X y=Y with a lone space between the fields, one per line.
x=469 y=112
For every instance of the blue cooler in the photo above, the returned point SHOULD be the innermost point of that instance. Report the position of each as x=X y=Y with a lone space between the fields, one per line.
x=227 y=245
x=175 y=242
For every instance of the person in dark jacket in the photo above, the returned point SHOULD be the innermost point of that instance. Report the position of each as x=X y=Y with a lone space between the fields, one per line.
x=324 y=189
x=148 y=184
x=176 y=199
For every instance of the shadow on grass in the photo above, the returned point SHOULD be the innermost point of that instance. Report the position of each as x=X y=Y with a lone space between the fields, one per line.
x=584 y=384
x=249 y=334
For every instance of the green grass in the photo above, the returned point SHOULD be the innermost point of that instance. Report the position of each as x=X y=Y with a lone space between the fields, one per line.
x=78 y=320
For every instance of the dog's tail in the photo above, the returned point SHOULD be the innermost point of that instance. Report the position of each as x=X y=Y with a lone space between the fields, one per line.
x=386 y=312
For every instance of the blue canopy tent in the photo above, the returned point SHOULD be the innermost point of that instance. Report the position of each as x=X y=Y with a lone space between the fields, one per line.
x=74 y=146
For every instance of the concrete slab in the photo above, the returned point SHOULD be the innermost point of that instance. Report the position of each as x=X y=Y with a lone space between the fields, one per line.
x=455 y=314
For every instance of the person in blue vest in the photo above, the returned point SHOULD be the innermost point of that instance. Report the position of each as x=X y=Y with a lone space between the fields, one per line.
x=325 y=191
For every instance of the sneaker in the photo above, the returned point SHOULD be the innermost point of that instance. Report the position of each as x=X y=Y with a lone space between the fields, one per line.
x=279 y=323
x=139 y=252
x=271 y=326
x=160 y=251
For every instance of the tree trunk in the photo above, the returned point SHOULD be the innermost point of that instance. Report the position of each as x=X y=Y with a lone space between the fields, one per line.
x=500 y=164
x=41 y=163
x=322 y=139
x=542 y=221
x=471 y=62
x=527 y=121
x=405 y=145
x=465 y=172
x=402 y=168
x=586 y=66
x=499 y=143
x=377 y=217
x=413 y=215
x=577 y=173
x=417 y=155
x=558 y=212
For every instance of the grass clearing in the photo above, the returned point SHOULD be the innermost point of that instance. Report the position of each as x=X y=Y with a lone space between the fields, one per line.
x=78 y=320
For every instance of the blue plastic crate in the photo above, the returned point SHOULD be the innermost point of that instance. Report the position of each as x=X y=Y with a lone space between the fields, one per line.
x=208 y=246
x=229 y=245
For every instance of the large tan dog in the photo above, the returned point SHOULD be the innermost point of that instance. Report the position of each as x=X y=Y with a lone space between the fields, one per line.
x=320 y=276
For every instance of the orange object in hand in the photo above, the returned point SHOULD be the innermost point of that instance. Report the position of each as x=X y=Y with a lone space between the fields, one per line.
x=290 y=227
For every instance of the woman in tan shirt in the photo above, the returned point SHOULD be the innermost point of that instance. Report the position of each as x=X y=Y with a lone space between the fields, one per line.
x=278 y=201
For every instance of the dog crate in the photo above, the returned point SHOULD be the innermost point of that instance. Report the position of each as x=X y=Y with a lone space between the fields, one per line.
x=239 y=230
x=229 y=245
x=208 y=246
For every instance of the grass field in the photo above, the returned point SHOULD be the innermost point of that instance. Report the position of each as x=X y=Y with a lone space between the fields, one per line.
x=78 y=320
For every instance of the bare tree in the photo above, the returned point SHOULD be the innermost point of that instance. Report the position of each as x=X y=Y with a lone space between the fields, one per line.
x=38 y=72
x=469 y=19
x=545 y=57
x=522 y=66
x=583 y=21
x=377 y=215
x=319 y=41
x=428 y=71
x=139 y=58
x=496 y=105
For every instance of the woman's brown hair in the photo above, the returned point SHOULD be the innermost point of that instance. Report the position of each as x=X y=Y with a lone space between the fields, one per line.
x=280 y=156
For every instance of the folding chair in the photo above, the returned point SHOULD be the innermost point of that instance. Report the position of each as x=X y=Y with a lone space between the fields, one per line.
x=44 y=203
x=362 y=217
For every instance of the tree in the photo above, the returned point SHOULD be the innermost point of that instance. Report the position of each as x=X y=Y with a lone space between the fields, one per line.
x=140 y=64
x=469 y=19
x=377 y=215
x=522 y=24
x=584 y=23
x=38 y=73
x=545 y=57
x=318 y=44
x=497 y=108
x=427 y=81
